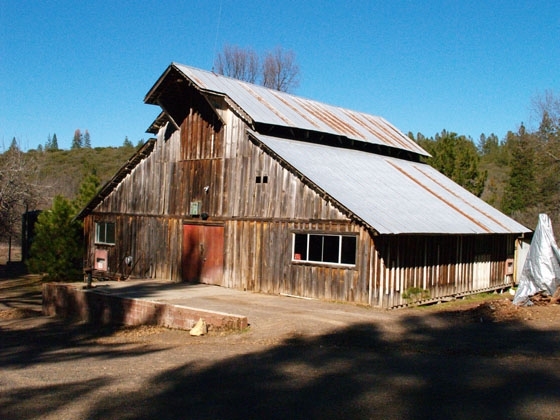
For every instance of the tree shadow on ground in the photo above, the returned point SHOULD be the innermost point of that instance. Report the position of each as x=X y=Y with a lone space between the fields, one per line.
x=37 y=402
x=51 y=341
x=56 y=340
x=470 y=371
x=14 y=295
x=145 y=289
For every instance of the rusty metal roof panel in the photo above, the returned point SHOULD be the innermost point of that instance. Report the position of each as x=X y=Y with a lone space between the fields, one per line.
x=269 y=106
x=391 y=195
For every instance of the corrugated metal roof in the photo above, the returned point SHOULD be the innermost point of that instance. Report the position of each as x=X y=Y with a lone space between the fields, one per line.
x=269 y=106
x=393 y=196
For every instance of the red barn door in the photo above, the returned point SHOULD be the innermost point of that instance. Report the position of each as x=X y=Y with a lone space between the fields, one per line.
x=203 y=253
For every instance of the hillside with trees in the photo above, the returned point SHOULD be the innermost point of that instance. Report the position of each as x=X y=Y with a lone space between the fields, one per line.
x=31 y=180
x=62 y=171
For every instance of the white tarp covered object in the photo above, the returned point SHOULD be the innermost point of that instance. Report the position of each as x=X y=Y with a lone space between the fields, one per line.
x=541 y=272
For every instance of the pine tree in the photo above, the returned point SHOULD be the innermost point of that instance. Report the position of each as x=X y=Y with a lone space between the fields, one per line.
x=456 y=157
x=127 y=142
x=54 y=144
x=77 y=141
x=521 y=191
x=87 y=140
x=88 y=189
x=57 y=247
x=14 y=146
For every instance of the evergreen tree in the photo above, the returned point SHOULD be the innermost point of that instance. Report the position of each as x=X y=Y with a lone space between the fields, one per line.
x=57 y=248
x=78 y=139
x=54 y=143
x=456 y=157
x=548 y=128
x=488 y=145
x=87 y=140
x=88 y=189
x=548 y=161
x=127 y=142
x=521 y=190
x=14 y=146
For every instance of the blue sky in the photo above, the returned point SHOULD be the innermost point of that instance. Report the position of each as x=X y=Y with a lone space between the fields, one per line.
x=470 y=67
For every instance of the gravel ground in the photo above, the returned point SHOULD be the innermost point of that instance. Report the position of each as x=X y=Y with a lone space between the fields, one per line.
x=466 y=360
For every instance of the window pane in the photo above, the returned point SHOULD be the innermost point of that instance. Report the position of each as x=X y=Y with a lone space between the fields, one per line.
x=348 y=250
x=97 y=232
x=110 y=235
x=105 y=233
x=315 y=248
x=300 y=247
x=331 y=248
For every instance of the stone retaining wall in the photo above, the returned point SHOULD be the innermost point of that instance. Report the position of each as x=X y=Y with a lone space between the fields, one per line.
x=70 y=301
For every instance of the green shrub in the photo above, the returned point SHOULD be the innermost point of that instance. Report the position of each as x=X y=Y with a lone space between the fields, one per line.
x=57 y=248
x=414 y=294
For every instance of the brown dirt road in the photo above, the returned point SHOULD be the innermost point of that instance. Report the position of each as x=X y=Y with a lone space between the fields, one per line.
x=465 y=360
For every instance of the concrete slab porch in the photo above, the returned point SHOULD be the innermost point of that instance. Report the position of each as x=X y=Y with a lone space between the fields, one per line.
x=114 y=303
x=181 y=305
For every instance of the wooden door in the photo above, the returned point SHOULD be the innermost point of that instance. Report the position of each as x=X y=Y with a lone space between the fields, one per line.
x=203 y=253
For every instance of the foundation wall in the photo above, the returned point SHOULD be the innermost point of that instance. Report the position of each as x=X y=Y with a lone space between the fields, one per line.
x=86 y=305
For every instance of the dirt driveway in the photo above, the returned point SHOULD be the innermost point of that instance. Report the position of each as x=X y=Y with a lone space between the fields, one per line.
x=469 y=360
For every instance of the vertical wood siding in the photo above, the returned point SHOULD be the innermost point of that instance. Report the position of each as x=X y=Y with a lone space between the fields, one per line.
x=259 y=258
x=150 y=241
x=442 y=265
x=150 y=206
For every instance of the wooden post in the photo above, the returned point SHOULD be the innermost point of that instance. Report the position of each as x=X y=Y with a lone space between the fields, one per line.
x=89 y=273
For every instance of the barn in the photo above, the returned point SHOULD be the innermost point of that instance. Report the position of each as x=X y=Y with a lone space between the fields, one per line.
x=254 y=189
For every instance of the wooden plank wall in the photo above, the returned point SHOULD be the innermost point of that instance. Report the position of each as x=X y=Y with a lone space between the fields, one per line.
x=443 y=265
x=259 y=258
x=150 y=241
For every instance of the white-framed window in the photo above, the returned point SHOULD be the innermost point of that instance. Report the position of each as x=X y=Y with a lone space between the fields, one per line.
x=324 y=248
x=105 y=233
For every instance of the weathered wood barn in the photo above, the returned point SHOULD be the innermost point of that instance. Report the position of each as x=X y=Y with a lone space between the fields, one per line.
x=254 y=189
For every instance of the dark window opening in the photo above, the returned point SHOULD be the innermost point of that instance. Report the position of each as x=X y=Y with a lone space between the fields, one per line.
x=348 y=250
x=105 y=233
x=261 y=179
x=330 y=249
x=300 y=247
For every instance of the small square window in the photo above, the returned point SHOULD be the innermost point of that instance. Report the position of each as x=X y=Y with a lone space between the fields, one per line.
x=105 y=233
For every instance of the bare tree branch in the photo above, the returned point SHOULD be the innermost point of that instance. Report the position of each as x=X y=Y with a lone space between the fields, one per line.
x=18 y=189
x=280 y=70
x=241 y=64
